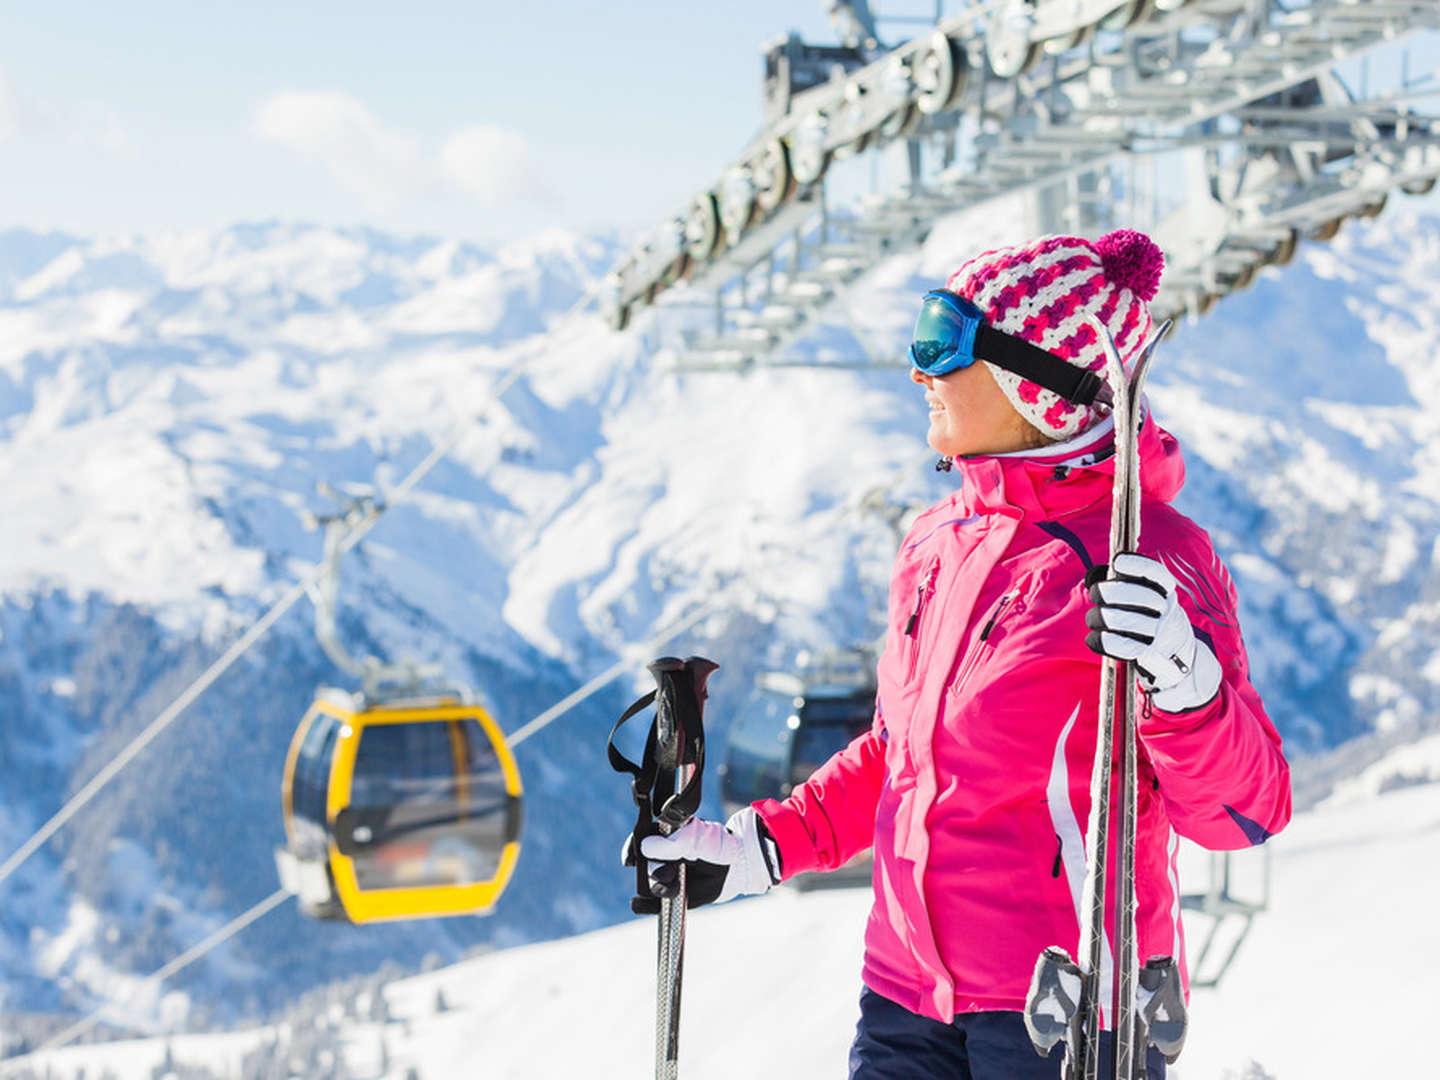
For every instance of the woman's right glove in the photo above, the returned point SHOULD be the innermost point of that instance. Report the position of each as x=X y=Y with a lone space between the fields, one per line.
x=1137 y=617
x=721 y=861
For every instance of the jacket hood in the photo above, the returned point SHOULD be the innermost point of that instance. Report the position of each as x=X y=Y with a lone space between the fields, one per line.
x=1054 y=487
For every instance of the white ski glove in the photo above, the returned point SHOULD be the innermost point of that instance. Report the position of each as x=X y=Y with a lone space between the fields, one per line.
x=1137 y=616
x=721 y=861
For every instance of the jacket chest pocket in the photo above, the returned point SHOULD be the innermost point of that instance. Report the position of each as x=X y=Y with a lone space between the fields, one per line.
x=997 y=620
x=914 y=629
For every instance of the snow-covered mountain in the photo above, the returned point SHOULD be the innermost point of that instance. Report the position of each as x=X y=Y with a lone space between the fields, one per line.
x=168 y=405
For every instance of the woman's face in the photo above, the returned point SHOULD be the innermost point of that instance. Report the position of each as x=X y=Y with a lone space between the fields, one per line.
x=970 y=414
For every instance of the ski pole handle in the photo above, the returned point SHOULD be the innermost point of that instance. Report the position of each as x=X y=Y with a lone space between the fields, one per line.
x=680 y=692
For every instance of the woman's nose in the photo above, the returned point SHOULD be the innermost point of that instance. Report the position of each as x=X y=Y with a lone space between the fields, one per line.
x=916 y=375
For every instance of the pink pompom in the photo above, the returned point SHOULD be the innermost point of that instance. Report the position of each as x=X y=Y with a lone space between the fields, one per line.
x=1132 y=261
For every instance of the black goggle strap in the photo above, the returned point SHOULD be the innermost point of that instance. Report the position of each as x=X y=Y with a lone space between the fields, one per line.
x=1045 y=369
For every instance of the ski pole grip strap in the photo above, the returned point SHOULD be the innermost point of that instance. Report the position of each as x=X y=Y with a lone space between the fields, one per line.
x=644 y=773
x=681 y=806
x=642 y=781
x=680 y=694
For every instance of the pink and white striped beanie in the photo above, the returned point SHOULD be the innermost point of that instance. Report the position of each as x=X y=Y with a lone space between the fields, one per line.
x=1048 y=292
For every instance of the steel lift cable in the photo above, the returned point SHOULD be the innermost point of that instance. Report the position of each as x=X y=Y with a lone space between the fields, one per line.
x=180 y=963
x=261 y=626
x=625 y=665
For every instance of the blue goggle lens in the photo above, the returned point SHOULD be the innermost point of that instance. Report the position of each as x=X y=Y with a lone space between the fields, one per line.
x=944 y=338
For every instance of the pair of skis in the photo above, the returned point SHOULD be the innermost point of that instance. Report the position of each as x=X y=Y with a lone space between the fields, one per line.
x=1064 y=1002
x=666 y=789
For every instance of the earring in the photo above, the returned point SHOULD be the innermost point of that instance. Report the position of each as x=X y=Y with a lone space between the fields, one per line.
x=945 y=464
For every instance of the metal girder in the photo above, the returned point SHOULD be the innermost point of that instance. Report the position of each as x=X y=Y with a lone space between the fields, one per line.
x=1183 y=78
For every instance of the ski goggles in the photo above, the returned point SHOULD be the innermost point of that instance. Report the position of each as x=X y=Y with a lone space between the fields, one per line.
x=951 y=334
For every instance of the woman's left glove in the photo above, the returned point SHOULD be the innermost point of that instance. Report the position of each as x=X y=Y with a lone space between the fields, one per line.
x=721 y=861
x=1137 y=617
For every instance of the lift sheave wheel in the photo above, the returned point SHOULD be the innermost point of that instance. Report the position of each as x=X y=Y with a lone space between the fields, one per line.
x=1008 y=48
x=405 y=810
x=1328 y=230
x=806 y=150
x=1128 y=14
x=770 y=171
x=939 y=74
x=702 y=228
x=737 y=204
x=1285 y=251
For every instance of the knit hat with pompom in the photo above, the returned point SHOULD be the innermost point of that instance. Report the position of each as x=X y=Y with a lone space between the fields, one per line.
x=1049 y=292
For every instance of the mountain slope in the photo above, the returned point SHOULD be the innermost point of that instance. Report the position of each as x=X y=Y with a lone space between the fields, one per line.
x=168 y=405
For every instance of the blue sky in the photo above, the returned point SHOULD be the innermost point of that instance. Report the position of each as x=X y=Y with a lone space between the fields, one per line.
x=484 y=120
x=481 y=120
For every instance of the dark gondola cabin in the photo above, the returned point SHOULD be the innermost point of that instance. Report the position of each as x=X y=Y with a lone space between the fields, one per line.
x=399 y=810
x=792 y=724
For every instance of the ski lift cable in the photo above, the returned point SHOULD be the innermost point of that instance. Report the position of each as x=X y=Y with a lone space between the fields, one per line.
x=155 y=727
x=265 y=622
x=620 y=667
x=264 y=907
x=184 y=960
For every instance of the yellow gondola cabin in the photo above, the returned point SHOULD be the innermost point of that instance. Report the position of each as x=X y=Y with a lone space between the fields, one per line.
x=399 y=810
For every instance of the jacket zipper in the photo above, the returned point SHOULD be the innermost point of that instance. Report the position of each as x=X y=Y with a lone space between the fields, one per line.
x=990 y=623
x=977 y=651
x=912 y=626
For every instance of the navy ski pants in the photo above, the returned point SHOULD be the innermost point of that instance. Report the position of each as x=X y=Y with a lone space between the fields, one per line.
x=892 y=1043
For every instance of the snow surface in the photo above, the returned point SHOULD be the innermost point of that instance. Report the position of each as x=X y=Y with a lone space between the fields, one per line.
x=1345 y=951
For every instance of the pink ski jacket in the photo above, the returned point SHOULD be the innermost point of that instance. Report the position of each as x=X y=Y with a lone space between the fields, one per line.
x=973 y=783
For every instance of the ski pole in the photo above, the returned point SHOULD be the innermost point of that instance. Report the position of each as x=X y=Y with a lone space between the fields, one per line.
x=666 y=787
x=679 y=740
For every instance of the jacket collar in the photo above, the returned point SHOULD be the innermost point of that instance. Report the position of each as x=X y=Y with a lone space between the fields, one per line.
x=1055 y=485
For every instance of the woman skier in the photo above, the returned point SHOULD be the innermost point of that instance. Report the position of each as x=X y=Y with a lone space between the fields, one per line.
x=973 y=783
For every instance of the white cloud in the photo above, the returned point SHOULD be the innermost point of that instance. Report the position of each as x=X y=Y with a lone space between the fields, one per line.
x=385 y=167
x=85 y=125
x=368 y=159
x=14 y=113
x=495 y=165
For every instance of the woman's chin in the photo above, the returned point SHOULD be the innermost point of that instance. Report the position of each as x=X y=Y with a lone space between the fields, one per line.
x=942 y=442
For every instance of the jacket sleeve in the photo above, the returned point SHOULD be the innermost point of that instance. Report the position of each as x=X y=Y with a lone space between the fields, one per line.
x=830 y=818
x=1222 y=776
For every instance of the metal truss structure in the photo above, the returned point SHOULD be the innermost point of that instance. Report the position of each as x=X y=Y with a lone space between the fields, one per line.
x=1222 y=127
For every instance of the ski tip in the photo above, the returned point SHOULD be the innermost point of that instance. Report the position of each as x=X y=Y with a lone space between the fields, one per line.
x=1157 y=336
